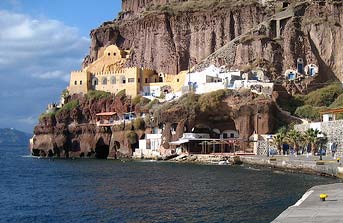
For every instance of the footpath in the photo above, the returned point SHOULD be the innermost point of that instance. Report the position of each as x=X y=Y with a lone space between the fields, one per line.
x=310 y=208
x=301 y=164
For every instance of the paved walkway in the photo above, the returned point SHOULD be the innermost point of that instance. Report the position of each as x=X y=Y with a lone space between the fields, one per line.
x=311 y=209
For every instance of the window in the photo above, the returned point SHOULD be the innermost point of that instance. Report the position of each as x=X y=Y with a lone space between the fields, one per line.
x=80 y=82
x=225 y=136
x=104 y=81
x=95 y=81
x=155 y=80
x=232 y=135
x=113 y=80
x=178 y=80
x=139 y=80
x=114 y=54
x=109 y=54
x=75 y=82
x=130 y=80
x=146 y=80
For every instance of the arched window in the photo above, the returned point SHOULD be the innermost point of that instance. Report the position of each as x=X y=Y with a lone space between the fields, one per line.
x=113 y=80
x=95 y=81
x=104 y=81
x=123 y=79
x=75 y=82
x=80 y=82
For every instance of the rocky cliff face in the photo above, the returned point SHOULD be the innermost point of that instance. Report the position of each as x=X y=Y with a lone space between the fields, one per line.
x=170 y=36
x=72 y=132
x=168 y=39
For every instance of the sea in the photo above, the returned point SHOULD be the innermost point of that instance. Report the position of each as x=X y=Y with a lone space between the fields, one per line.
x=90 y=190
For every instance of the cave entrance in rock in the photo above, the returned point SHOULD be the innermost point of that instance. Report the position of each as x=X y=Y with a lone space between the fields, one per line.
x=101 y=150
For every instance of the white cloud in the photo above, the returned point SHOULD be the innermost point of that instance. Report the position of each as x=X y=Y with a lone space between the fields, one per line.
x=39 y=46
x=36 y=57
x=53 y=75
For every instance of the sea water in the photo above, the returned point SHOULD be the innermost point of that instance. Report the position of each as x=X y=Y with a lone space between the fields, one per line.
x=57 y=190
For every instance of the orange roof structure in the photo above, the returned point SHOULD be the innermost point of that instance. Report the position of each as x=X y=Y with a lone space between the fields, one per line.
x=106 y=114
x=332 y=111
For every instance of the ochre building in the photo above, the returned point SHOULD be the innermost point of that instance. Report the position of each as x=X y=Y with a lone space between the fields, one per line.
x=108 y=73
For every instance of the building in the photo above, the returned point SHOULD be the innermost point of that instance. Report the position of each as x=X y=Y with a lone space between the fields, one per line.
x=108 y=73
x=331 y=126
x=149 y=148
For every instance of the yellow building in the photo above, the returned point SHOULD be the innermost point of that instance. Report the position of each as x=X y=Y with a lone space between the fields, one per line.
x=108 y=74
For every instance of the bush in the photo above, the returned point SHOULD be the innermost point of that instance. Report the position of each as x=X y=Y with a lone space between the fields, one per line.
x=98 y=94
x=47 y=115
x=71 y=105
x=121 y=94
x=308 y=112
x=140 y=100
x=132 y=137
x=212 y=101
x=291 y=104
x=139 y=123
x=324 y=96
x=338 y=103
x=68 y=106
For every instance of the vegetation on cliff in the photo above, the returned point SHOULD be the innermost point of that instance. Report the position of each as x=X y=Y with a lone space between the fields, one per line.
x=309 y=106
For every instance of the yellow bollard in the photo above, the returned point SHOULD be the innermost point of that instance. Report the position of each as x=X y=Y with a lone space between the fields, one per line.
x=323 y=196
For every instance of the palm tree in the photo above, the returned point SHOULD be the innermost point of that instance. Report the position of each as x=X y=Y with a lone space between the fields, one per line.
x=279 y=139
x=293 y=137
x=312 y=139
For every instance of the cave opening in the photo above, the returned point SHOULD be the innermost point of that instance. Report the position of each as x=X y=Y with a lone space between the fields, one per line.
x=101 y=150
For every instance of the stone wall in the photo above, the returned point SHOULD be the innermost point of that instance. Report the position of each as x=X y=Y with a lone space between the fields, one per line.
x=333 y=130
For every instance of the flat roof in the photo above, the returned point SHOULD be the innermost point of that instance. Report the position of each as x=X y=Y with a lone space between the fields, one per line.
x=106 y=114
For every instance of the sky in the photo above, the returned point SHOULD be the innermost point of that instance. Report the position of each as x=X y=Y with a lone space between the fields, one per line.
x=41 y=41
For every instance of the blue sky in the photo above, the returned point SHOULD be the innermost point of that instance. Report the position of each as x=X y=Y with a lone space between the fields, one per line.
x=41 y=41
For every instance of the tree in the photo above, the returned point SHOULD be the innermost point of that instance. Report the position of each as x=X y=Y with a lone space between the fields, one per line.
x=293 y=137
x=279 y=139
x=311 y=136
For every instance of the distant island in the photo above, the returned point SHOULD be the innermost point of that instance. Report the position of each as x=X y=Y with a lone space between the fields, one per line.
x=13 y=137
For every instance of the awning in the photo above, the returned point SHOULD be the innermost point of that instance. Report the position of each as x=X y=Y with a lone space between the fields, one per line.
x=179 y=142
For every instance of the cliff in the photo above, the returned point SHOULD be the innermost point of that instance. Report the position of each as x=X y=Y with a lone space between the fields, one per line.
x=170 y=36
x=72 y=131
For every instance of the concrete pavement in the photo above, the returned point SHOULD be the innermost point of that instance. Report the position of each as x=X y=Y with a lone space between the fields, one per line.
x=311 y=209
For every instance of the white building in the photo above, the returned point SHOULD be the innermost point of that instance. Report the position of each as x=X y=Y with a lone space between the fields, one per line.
x=149 y=148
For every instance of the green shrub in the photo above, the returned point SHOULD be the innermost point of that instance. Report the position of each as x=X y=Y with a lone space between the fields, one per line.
x=291 y=104
x=324 y=96
x=136 y=100
x=121 y=94
x=98 y=94
x=71 y=105
x=309 y=112
x=132 y=137
x=47 y=115
x=139 y=124
x=68 y=106
x=212 y=101
x=338 y=103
